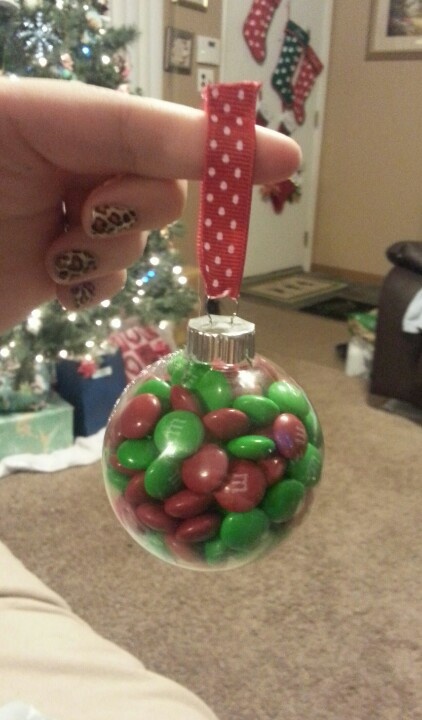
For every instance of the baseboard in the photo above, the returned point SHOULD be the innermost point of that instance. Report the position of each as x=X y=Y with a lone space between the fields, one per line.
x=348 y=275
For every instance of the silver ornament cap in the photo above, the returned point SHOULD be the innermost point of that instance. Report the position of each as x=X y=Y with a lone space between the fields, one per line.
x=220 y=337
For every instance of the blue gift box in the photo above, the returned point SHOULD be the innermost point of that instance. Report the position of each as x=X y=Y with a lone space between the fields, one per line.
x=92 y=397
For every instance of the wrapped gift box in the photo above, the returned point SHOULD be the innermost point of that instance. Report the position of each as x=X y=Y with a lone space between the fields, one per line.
x=37 y=432
x=141 y=346
x=92 y=388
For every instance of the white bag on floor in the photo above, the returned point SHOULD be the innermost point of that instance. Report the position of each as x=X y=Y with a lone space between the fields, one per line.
x=359 y=357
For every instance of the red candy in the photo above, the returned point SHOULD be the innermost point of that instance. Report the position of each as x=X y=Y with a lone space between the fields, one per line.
x=181 y=549
x=199 y=528
x=153 y=516
x=226 y=423
x=204 y=471
x=183 y=399
x=135 y=492
x=114 y=463
x=273 y=468
x=186 y=504
x=290 y=436
x=244 y=488
x=140 y=415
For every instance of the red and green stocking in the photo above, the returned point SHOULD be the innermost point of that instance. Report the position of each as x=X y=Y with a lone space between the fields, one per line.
x=294 y=44
x=256 y=26
x=309 y=69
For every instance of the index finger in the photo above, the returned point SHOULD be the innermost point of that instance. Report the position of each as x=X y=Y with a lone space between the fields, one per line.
x=86 y=129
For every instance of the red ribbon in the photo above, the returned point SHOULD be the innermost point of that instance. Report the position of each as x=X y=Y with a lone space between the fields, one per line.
x=226 y=188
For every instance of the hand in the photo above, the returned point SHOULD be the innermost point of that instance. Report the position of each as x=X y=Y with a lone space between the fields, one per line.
x=83 y=171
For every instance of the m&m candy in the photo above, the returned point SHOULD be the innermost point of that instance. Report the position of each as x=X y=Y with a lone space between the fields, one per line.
x=212 y=454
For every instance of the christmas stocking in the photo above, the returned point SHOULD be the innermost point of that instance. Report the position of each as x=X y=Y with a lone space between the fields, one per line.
x=309 y=69
x=287 y=124
x=256 y=26
x=279 y=193
x=295 y=41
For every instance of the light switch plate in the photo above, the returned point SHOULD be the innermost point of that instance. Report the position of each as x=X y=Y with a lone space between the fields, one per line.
x=207 y=50
x=206 y=75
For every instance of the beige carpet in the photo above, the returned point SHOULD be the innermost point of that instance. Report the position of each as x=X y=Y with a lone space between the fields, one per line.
x=325 y=628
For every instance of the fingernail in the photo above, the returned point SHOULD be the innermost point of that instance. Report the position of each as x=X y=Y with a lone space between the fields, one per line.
x=111 y=219
x=73 y=264
x=82 y=293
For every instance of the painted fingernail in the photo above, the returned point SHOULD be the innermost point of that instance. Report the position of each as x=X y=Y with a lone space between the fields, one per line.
x=111 y=219
x=82 y=293
x=73 y=264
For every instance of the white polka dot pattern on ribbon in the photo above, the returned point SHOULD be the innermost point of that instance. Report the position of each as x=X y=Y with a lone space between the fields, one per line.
x=226 y=189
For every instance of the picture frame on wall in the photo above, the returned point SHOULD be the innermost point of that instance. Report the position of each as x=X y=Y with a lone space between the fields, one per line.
x=178 y=51
x=193 y=4
x=395 y=30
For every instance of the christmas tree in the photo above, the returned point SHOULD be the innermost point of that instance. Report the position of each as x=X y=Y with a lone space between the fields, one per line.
x=73 y=40
x=65 y=39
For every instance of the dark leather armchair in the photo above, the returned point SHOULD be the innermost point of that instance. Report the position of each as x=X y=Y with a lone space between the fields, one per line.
x=397 y=364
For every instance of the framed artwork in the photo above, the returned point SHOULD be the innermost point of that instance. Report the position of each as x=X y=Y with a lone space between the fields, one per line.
x=193 y=4
x=178 y=50
x=395 y=30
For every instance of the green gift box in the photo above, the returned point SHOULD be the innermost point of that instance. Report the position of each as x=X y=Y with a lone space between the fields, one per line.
x=37 y=432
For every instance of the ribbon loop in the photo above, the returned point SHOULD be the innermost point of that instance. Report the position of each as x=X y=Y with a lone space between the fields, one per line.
x=226 y=188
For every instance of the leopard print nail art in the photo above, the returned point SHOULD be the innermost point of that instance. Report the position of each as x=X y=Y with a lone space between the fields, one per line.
x=110 y=219
x=73 y=264
x=82 y=293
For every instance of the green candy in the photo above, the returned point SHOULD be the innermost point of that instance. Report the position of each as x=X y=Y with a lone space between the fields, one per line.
x=242 y=531
x=137 y=454
x=155 y=543
x=159 y=388
x=185 y=372
x=308 y=468
x=313 y=428
x=176 y=367
x=215 y=551
x=116 y=479
x=260 y=410
x=162 y=477
x=251 y=447
x=282 y=500
x=214 y=390
x=289 y=398
x=179 y=434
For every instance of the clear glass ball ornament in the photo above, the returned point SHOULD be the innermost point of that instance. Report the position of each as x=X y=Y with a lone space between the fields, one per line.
x=212 y=454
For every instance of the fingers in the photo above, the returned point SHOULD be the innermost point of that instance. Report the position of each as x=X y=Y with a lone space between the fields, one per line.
x=85 y=261
x=123 y=204
x=90 y=292
x=88 y=270
x=108 y=133
x=75 y=257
